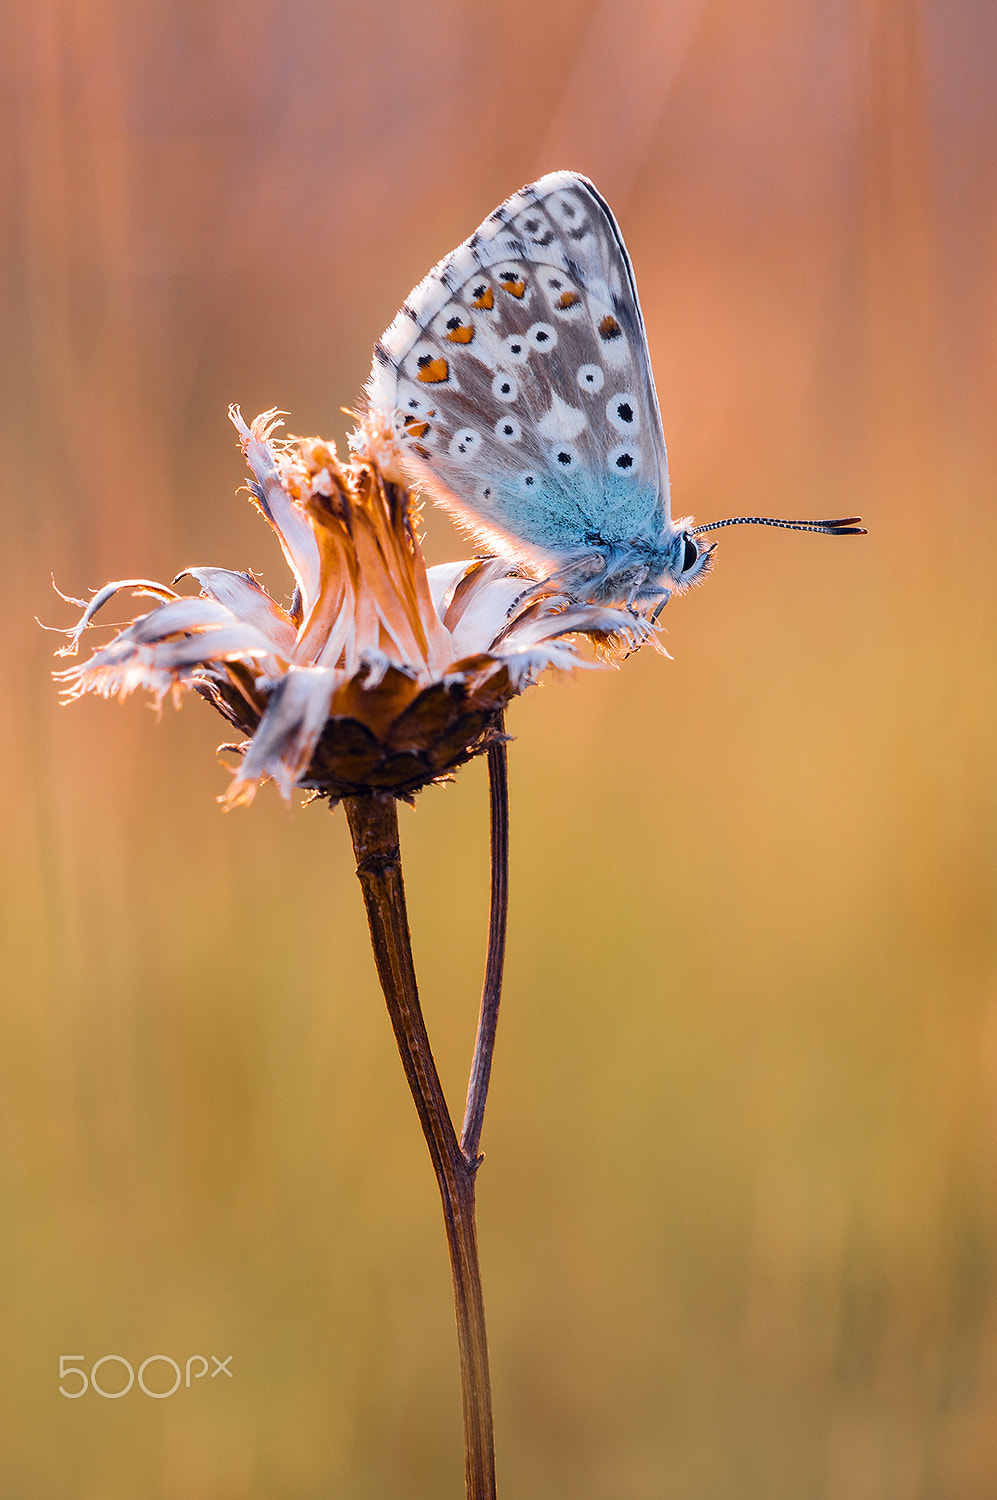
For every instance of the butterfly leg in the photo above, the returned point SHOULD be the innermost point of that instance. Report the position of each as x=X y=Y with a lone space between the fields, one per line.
x=666 y=594
x=640 y=578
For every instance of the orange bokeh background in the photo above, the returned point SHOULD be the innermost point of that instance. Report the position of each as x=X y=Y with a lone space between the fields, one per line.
x=737 y=1215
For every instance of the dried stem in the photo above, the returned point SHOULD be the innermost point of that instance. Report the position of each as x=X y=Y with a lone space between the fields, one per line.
x=484 y=1046
x=374 y=827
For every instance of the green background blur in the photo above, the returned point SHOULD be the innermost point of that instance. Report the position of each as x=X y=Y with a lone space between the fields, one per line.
x=738 y=1212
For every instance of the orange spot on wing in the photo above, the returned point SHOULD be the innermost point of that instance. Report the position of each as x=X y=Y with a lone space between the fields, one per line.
x=432 y=371
x=415 y=428
x=463 y=334
x=513 y=285
x=485 y=299
x=568 y=299
x=609 y=328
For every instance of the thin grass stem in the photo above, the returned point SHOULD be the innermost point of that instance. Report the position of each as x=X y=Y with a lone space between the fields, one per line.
x=491 y=993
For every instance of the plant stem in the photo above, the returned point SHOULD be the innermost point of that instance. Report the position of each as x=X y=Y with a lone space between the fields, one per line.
x=484 y=1046
x=374 y=827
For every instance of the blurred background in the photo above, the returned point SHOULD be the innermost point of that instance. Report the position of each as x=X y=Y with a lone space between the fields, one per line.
x=738 y=1209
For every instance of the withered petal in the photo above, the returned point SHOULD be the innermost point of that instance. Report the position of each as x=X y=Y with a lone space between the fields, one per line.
x=248 y=601
x=136 y=585
x=282 y=746
x=487 y=612
x=443 y=578
x=293 y=528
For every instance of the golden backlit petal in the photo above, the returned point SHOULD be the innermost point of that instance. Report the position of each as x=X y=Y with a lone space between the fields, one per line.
x=144 y=656
x=328 y=630
x=292 y=526
x=486 y=613
x=480 y=575
x=586 y=619
x=236 y=642
x=390 y=508
x=389 y=571
x=443 y=578
x=288 y=733
x=248 y=601
x=180 y=616
x=136 y=585
x=110 y=676
x=340 y=641
x=527 y=666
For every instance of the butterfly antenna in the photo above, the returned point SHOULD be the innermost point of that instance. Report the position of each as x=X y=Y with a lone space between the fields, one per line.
x=844 y=526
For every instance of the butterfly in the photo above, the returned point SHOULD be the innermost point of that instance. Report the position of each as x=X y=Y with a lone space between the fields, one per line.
x=517 y=382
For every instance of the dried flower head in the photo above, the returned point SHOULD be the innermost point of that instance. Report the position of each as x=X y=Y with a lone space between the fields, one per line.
x=383 y=674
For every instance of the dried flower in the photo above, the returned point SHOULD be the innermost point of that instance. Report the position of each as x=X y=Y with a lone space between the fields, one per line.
x=382 y=675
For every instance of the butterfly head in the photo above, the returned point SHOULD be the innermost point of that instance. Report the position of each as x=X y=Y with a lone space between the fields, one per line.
x=686 y=559
x=640 y=573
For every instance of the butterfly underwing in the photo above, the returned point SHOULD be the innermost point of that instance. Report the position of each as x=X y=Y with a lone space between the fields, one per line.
x=517 y=382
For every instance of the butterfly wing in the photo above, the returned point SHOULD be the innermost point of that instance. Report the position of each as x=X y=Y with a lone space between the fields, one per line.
x=519 y=384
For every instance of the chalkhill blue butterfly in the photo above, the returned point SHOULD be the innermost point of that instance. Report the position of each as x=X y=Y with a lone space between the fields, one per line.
x=517 y=382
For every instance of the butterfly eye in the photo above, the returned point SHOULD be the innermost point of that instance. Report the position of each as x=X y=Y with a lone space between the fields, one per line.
x=690 y=554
